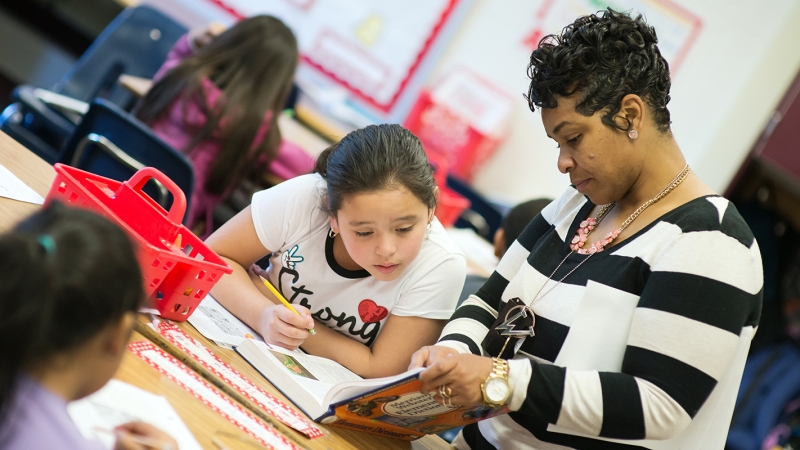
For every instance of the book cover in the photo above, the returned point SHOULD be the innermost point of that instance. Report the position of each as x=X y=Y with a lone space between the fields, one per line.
x=331 y=394
x=400 y=411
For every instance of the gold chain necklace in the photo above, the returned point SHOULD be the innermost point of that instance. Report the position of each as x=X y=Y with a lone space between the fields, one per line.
x=584 y=230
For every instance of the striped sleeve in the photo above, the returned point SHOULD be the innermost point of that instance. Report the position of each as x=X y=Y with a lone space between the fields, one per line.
x=702 y=292
x=471 y=321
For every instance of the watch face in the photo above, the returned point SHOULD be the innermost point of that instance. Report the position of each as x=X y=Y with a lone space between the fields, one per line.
x=497 y=390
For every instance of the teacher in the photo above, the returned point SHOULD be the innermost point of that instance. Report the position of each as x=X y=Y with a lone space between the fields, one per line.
x=622 y=316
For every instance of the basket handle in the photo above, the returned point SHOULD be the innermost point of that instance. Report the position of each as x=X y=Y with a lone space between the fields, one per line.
x=178 y=208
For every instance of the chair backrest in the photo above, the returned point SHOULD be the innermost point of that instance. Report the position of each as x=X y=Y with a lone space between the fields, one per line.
x=481 y=216
x=136 y=42
x=112 y=143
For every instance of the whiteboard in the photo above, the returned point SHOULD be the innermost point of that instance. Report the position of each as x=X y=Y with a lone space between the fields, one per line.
x=370 y=47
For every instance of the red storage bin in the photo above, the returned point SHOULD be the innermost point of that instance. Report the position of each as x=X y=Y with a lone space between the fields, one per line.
x=178 y=268
x=443 y=133
x=450 y=204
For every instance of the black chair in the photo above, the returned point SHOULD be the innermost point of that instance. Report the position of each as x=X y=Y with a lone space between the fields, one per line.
x=112 y=143
x=136 y=42
x=481 y=215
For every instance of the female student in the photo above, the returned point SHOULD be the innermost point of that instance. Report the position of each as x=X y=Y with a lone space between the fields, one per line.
x=218 y=97
x=69 y=293
x=640 y=287
x=355 y=247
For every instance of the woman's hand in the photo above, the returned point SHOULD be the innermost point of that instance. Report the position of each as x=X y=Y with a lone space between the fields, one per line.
x=428 y=355
x=461 y=375
x=142 y=436
x=280 y=326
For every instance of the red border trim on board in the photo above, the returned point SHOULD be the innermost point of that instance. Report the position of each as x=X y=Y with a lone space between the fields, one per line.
x=696 y=24
x=384 y=107
x=228 y=9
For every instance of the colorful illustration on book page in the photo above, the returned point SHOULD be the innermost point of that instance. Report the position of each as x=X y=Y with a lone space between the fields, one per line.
x=402 y=412
x=255 y=394
x=293 y=365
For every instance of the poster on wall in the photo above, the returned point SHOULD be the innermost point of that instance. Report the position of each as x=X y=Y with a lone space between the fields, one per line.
x=370 y=47
x=677 y=28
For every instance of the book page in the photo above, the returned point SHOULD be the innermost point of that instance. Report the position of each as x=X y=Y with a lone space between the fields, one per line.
x=350 y=389
x=119 y=402
x=310 y=367
x=216 y=323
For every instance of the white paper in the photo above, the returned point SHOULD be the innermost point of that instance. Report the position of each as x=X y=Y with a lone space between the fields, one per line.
x=216 y=323
x=479 y=252
x=119 y=402
x=14 y=188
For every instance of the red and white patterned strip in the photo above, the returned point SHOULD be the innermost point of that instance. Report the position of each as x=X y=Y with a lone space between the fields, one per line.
x=234 y=378
x=227 y=408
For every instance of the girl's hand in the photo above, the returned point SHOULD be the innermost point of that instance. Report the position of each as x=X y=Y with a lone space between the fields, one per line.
x=142 y=436
x=428 y=355
x=282 y=327
x=463 y=374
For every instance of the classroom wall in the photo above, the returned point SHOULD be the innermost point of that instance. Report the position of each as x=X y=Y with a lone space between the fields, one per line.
x=724 y=90
x=723 y=94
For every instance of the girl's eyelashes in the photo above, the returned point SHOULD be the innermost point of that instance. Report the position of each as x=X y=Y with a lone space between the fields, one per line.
x=399 y=230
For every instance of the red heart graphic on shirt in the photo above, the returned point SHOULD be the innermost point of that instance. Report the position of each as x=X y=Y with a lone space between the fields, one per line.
x=370 y=311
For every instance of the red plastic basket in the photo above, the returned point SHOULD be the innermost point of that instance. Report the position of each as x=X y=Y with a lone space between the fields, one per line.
x=450 y=203
x=443 y=133
x=178 y=268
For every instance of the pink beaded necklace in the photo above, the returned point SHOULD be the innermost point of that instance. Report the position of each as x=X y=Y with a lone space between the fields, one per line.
x=586 y=227
x=581 y=237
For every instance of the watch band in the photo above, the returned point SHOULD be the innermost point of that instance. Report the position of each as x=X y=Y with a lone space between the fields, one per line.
x=499 y=370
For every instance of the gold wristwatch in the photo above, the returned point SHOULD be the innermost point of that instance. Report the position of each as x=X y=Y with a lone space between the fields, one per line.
x=496 y=389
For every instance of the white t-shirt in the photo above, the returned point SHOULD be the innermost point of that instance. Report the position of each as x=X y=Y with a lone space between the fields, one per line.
x=290 y=223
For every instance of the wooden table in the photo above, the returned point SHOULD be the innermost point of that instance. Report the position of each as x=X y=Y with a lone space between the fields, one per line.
x=201 y=420
x=29 y=168
x=335 y=437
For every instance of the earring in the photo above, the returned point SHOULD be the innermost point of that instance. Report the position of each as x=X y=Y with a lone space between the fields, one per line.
x=633 y=134
x=332 y=234
x=429 y=226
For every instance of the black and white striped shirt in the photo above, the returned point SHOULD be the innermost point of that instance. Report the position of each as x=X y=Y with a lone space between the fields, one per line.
x=643 y=346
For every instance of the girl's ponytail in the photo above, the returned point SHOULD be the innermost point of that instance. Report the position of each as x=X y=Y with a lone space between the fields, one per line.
x=321 y=165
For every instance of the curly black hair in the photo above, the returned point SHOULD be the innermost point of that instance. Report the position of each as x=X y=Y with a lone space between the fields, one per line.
x=602 y=57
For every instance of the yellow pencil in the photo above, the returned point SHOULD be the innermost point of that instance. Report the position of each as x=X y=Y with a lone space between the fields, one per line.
x=283 y=300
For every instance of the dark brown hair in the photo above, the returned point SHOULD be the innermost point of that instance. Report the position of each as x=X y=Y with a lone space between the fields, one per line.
x=374 y=158
x=253 y=64
x=602 y=58
x=67 y=273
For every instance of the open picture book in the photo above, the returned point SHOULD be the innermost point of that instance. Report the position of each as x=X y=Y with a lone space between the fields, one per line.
x=329 y=393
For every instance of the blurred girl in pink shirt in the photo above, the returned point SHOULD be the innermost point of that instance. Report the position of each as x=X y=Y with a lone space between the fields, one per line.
x=217 y=98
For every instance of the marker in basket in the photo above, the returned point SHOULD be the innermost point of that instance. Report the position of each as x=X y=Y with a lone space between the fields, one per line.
x=283 y=300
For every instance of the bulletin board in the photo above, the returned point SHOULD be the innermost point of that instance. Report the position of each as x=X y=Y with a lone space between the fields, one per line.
x=370 y=47
x=677 y=28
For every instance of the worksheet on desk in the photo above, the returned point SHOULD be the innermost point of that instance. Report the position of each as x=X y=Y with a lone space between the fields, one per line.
x=216 y=323
x=14 y=188
x=119 y=402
